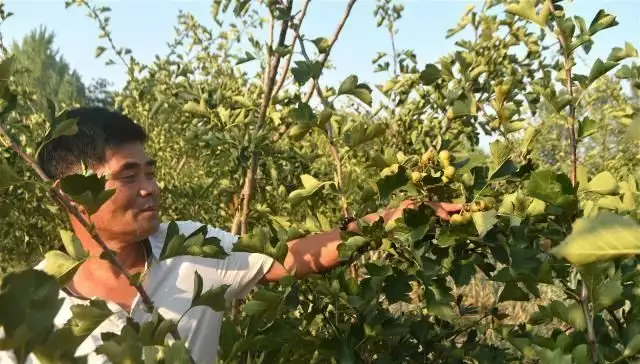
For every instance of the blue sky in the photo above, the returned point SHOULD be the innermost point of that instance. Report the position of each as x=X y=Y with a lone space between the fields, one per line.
x=146 y=25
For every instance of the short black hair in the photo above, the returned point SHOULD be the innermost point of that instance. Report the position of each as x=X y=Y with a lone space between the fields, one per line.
x=98 y=130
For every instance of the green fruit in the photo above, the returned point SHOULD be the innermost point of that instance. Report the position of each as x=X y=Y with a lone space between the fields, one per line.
x=478 y=206
x=450 y=172
x=445 y=158
x=450 y=114
x=445 y=179
x=416 y=177
x=455 y=219
x=467 y=179
x=426 y=157
x=465 y=218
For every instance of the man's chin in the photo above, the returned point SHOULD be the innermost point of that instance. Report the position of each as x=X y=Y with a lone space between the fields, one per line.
x=149 y=226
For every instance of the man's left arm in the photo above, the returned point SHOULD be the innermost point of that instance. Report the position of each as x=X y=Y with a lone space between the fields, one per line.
x=319 y=252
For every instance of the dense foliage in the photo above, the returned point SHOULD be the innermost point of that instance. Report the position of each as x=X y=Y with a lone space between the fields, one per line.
x=551 y=206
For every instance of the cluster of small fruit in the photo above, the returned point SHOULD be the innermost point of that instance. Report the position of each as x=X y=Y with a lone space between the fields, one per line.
x=468 y=209
x=428 y=161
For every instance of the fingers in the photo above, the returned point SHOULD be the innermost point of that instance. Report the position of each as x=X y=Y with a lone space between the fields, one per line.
x=448 y=207
x=451 y=207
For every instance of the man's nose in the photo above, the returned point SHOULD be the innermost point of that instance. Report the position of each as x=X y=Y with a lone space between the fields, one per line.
x=149 y=188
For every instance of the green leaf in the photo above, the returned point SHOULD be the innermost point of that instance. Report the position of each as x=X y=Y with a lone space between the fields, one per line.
x=255 y=307
x=633 y=347
x=393 y=177
x=248 y=57
x=484 y=221
x=262 y=240
x=618 y=54
x=99 y=51
x=298 y=196
x=601 y=21
x=298 y=132
x=363 y=94
x=73 y=245
x=430 y=75
x=551 y=187
x=605 y=236
x=322 y=44
x=604 y=183
x=87 y=190
x=213 y=298
x=87 y=318
x=587 y=128
x=527 y=9
x=607 y=294
x=609 y=202
x=464 y=106
x=514 y=126
x=512 y=292
x=397 y=287
x=347 y=248
x=304 y=71
x=65 y=127
x=5 y=70
x=61 y=266
x=121 y=352
x=29 y=302
x=599 y=68
x=302 y=114
x=177 y=353
x=197 y=286
x=350 y=86
x=7 y=176
x=196 y=244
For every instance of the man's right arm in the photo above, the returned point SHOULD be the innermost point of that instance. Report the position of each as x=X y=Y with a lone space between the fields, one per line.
x=319 y=252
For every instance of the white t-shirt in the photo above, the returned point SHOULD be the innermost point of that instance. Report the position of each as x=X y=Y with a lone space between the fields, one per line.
x=170 y=283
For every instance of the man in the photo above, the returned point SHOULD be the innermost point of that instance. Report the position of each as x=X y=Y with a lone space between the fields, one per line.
x=111 y=144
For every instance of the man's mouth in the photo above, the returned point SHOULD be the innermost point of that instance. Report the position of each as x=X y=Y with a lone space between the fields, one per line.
x=150 y=209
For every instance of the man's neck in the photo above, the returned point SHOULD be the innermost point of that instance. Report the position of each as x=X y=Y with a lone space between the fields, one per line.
x=131 y=255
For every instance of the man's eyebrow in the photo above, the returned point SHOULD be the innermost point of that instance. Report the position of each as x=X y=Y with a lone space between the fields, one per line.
x=135 y=165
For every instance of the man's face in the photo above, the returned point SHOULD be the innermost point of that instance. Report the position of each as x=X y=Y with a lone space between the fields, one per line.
x=131 y=214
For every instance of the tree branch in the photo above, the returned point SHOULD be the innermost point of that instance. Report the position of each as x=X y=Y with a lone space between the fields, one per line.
x=249 y=182
x=333 y=40
x=584 y=291
x=332 y=146
x=287 y=62
x=102 y=25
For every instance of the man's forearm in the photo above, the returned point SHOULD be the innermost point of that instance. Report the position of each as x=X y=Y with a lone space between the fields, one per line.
x=319 y=252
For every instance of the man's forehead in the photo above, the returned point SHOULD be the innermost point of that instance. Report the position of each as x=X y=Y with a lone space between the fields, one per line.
x=127 y=156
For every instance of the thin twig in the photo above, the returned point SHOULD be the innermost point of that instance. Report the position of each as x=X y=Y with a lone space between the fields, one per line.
x=332 y=146
x=333 y=40
x=584 y=291
x=104 y=29
x=393 y=49
x=250 y=179
x=287 y=62
x=66 y=202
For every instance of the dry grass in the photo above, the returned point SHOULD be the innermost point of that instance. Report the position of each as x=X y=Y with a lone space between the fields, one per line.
x=483 y=294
